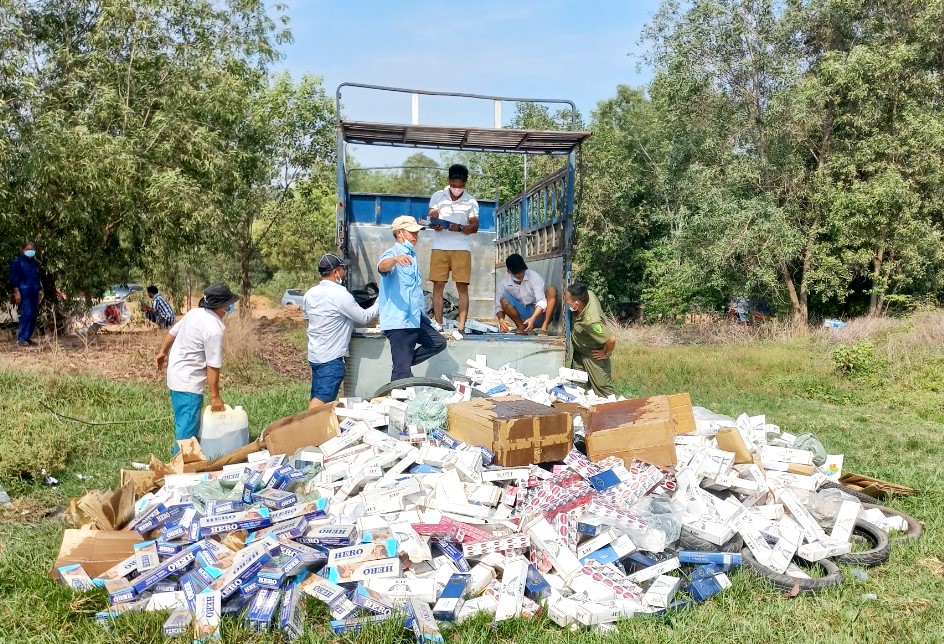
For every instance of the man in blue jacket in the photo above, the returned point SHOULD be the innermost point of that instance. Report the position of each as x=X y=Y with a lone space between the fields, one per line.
x=27 y=292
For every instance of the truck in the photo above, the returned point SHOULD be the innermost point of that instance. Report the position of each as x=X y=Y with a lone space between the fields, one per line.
x=537 y=224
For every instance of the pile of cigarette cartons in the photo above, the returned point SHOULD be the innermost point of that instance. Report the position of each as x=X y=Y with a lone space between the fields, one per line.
x=379 y=522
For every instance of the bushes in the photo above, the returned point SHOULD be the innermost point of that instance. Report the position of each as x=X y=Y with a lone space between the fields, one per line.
x=857 y=360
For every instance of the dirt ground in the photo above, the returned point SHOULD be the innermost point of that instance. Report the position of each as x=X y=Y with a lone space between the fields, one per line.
x=126 y=352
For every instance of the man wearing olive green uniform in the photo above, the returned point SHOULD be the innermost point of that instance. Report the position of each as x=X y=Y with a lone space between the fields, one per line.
x=591 y=343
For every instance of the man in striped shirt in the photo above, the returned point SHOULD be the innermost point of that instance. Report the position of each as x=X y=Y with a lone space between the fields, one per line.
x=160 y=312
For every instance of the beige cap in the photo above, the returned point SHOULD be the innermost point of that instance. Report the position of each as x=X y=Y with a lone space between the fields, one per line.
x=408 y=223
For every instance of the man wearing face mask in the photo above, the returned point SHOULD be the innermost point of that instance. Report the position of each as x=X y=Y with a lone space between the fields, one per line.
x=591 y=343
x=522 y=297
x=27 y=292
x=402 y=302
x=451 y=244
x=192 y=351
x=331 y=312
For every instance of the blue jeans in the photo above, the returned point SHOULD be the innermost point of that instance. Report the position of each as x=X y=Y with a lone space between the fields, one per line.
x=524 y=311
x=187 y=410
x=29 y=311
x=326 y=379
x=404 y=351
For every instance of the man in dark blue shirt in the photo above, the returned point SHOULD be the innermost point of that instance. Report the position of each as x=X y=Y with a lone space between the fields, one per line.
x=27 y=292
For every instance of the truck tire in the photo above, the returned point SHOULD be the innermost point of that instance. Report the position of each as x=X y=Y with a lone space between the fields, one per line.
x=865 y=498
x=915 y=529
x=876 y=555
x=688 y=541
x=786 y=583
x=403 y=383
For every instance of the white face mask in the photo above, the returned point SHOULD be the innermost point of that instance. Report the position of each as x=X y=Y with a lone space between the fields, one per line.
x=456 y=191
x=573 y=309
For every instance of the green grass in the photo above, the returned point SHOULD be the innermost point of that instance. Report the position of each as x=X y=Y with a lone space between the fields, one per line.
x=888 y=425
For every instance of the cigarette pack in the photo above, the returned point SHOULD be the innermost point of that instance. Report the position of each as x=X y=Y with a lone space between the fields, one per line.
x=705 y=588
x=609 y=577
x=513 y=584
x=399 y=589
x=363 y=552
x=309 y=510
x=422 y=622
x=563 y=611
x=722 y=558
x=272 y=576
x=790 y=536
x=335 y=535
x=370 y=601
x=454 y=554
x=250 y=587
x=612 y=552
x=292 y=613
x=787 y=455
x=206 y=625
x=146 y=513
x=356 y=430
x=811 y=528
x=145 y=552
x=595 y=543
x=591 y=525
x=379 y=568
x=262 y=609
x=662 y=591
x=452 y=597
x=536 y=586
x=178 y=623
x=310 y=557
x=481 y=576
x=246 y=520
x=252 y=481
x=243 y=571
x=654 y=571
x=506 y=474
x=191 y=587
x=591 y=613
x=156 y=520
x=354 y=624
x=276 y=499
x=121 y=569
x=845 y=520
x=339 y=606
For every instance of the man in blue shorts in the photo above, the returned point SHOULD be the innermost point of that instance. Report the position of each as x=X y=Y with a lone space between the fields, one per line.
x=522 y=297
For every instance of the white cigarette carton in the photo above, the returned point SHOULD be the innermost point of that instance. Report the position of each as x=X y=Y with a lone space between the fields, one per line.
x=513 y=582
x=662 y=591
x=845 y=520
x=654 y=571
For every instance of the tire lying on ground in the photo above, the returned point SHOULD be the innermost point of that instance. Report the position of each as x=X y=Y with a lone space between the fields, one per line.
x=915 y=529
x=688 y=541
x=403 y=383
x=876 y=538
x=832 y=575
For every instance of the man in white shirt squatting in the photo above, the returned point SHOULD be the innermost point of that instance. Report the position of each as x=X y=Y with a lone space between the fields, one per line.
x=192 y=351
x=522 y=296
x=451 y=244
x=331 y=312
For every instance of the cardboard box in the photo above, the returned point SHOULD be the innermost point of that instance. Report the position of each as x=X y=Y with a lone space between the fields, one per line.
x=641 y=428
x=682 y=415
x=305 y=429
x=96 y=550
x=874 y=487
x=517 y=430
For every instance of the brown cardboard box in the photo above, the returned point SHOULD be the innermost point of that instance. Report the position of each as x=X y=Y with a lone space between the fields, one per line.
x=681 y=407
x=876 y=488
x=730 y=440
x=517 y=430
x=641 y=428
x=96 y=550
x=308 y=428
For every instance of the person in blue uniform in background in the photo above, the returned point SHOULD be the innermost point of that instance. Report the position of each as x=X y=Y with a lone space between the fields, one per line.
x=27 y=292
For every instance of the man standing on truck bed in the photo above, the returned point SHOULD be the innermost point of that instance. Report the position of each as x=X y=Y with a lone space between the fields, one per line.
x=452 y=246
x=402 y=302
x=591 y=343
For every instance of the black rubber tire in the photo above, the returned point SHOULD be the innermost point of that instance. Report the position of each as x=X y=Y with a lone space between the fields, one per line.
x=876 y=555
x=865 y=498
x=403 y=383
x=915 y=529
x=786 y=583
x=688 y=541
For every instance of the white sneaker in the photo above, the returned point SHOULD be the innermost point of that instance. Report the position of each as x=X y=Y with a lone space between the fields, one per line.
x=436 y=325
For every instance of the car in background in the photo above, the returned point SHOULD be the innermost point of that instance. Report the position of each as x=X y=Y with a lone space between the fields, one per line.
x=121 y=291
x=293 y=297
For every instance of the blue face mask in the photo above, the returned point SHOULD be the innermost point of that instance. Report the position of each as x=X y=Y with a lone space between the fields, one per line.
x=232 y=307
x=408 y=244
x=29 y=253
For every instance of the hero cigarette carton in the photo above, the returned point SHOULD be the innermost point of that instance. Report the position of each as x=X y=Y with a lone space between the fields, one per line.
x=250 y=587
x=370 y=601
x=206 y=625
x=292 y=613
x=363 y=552
x=346 y=573
x=178 y=623
x=246 y=520
x=173 y=566
x=145 y=553
x=215 y=507
x=191 y=587
x=310 y=557
x=262 y=609
x=119 y=590
x=354 y=624
x=243 y=571
x=276 y=499
x=309 y=510
x=159 y=519
x=422 y=622
x=333 y=535
x=121 y=569
x=339 y=606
